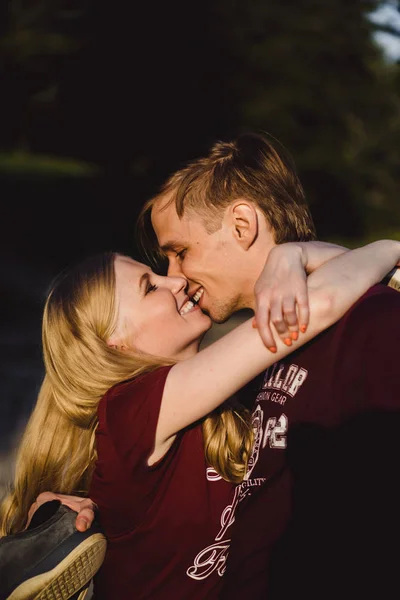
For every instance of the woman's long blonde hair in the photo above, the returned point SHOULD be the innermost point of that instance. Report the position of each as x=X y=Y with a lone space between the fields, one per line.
x=57 y=451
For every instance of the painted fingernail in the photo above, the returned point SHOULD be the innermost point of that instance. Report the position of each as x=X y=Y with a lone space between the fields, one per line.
x=288 y=342
x=272 y=349
x=303 y=328
x=294 y=335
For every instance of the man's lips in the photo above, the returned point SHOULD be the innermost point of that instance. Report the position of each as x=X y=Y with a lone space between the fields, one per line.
x=191 y=302
x=185 y=301
x=197 y=295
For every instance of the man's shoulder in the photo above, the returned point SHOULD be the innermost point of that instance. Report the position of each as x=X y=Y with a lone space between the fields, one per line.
x=373 y=318
x=372 y=322
x=379 y=301
x=378 y=291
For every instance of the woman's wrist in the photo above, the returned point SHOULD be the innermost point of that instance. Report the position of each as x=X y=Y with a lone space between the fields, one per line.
x=294 y=252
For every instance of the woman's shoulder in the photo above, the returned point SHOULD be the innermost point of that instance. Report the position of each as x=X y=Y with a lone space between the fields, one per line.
x=127 y=421
x=143 y=383
x=138 y=395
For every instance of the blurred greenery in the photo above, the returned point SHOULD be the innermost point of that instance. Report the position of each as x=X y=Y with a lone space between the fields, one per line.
x=135 y=98
x=21 y=162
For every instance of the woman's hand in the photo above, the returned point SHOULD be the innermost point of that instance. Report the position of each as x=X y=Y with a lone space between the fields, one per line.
x=83 y=506
x=281 y=295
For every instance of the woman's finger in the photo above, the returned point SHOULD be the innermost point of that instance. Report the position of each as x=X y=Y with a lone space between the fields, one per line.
x=290 y=317
x=279 y=323
x=303 y=310
x=261 y=318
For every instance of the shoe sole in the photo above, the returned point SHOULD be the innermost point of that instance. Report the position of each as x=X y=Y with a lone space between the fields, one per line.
x=69 y=576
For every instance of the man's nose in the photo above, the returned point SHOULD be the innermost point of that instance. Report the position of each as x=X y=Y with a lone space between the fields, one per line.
x=174 y=269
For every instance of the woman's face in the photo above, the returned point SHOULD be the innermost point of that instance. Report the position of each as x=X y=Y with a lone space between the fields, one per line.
x=154 y=314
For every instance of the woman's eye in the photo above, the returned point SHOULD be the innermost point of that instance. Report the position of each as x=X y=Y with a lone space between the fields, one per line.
x=150 y=288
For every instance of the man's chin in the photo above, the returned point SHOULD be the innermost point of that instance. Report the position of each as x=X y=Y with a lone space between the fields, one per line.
x=218 y=316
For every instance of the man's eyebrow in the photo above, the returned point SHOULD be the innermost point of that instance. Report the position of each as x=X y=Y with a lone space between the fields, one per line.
x=169 y=246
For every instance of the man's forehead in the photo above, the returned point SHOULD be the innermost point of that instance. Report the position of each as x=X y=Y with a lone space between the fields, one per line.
x=169 y=228
x=164 y=211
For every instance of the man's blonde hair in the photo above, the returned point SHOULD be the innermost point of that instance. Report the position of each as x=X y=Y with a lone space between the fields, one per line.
x=251 y=167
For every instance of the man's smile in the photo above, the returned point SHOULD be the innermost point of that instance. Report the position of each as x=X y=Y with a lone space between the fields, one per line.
x=192 y=302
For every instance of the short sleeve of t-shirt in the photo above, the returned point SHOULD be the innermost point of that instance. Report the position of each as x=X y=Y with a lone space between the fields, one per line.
x=165 y=524
x=129 y=414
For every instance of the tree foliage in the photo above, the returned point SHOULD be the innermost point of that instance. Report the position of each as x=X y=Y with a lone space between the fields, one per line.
x=139 y=89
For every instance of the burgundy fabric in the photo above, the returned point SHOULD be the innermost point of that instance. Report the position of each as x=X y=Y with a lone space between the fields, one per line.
x=165 y=523
x=319 y=515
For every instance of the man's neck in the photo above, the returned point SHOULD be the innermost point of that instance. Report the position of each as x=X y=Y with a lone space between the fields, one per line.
x=255 y=266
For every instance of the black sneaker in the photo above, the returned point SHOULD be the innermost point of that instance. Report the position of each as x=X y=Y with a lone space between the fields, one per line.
x=51 y=559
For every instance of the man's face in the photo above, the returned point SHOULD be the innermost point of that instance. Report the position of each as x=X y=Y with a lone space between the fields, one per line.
x=213 y=263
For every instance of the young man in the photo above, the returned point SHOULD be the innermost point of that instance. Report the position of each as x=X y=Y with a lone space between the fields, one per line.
x=318 y=514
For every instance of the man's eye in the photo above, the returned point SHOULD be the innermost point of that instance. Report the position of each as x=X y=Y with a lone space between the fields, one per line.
x=150 y=288
x=181 y=254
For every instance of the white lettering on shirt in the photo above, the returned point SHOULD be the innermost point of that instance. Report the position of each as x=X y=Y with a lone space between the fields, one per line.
x=287 y=380
x=275 y=378
x=213 y=558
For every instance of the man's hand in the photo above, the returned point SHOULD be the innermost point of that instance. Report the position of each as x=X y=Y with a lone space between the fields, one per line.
x=281 y=295
x=83 y=506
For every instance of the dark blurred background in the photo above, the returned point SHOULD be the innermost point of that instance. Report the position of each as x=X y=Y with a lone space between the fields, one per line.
x=101 y=101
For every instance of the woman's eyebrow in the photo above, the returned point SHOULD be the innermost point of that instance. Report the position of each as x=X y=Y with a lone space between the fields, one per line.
x=144 y=279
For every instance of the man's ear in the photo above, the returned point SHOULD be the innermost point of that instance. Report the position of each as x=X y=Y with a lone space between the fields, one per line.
x=244 y=221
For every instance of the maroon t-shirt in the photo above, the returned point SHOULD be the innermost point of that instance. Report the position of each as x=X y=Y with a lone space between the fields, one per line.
x=166 y=524
x=319 y=515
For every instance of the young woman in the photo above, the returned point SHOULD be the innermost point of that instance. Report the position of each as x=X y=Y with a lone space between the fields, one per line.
x=131 y=414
